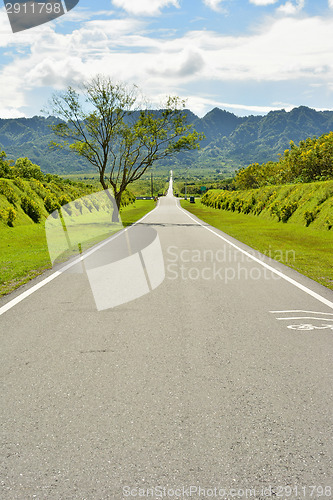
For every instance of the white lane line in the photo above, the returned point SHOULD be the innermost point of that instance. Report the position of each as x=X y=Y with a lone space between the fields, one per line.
x=267 y=266
x=305 y=317
x=300 y=311
x=12 y=303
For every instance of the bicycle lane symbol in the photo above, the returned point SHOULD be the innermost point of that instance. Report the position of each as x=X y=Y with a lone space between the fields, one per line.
x=307 y=327
x=317 y=320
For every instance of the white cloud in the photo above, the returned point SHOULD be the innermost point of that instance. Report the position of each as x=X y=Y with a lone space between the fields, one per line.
x=285 y=49
x=200 y=104
x=144 y=7
x=330 y=3
x=291 y=8
x=214 y=4
x=263 y=2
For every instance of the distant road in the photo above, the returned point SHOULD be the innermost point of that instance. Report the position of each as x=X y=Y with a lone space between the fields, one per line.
x=219 y=379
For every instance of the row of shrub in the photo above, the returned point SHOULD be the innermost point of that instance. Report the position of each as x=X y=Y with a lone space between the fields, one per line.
x=39 y=199
x=26 y=188
x=310 y=203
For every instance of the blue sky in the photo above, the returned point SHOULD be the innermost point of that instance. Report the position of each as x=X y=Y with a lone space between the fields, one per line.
x=245 y=56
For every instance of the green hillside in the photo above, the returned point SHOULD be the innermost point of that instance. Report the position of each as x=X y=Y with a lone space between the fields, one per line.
x=231 y=141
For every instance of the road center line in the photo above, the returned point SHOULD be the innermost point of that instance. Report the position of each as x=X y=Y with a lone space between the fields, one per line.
x=267 y=266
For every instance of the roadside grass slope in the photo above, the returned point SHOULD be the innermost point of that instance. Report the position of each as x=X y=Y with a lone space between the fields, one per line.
x=305 y=204
x=290 y=223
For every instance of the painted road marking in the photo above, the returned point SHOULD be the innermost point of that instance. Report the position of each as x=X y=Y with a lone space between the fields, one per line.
x=304 y=317
x=301 y=311
x=267 y=266
x=307 y=327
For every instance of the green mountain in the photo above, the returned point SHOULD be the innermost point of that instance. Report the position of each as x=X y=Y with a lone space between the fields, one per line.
x=231 y=141
x=261 y=138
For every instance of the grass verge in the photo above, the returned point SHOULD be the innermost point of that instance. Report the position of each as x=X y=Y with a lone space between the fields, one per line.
x=307 y=250
x=24 y=253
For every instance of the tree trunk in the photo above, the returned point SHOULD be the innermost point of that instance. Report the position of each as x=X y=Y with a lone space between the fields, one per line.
x=115 y=211
x=117 y=202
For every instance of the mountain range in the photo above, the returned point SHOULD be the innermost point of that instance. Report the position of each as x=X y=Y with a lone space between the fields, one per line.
x=230 y=141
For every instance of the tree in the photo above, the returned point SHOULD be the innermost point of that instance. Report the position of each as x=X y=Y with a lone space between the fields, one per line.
x=25 y=168
x=105 y=125
x=5 y=167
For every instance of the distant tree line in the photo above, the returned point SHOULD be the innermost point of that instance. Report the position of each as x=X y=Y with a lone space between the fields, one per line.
x=311 y=160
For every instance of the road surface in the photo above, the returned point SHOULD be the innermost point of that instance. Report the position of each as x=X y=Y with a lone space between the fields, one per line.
x=218 y=382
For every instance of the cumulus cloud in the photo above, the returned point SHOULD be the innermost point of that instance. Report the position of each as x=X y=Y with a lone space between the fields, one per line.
x=190 y=64
x=287 y=49
x=284 y=49
x=330 y=3
x=263 y=2
x=144 y=7
x=291 y=8
x=213 y=4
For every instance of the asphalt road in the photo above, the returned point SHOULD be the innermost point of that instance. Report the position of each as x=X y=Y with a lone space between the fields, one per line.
x=220 y=378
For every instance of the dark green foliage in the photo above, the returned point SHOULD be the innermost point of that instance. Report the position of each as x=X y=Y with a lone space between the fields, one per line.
x=38 y=188
x=127 y=198
x=11 y=216
x=5 y=167
x=19 y=183
x=51 y=203
x=8 y=215
x=8 y=192
x=28 y=170
x=310 y=217
x=286 y=211
x=329 y=223
x=31 y=208
x=64 y=199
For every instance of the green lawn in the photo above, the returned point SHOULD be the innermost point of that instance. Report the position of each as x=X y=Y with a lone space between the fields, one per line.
x=309 y=251
x=24 y=253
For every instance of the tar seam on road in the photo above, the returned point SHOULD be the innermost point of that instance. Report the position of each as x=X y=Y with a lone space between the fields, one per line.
x=275 y=271
x=47 y=280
